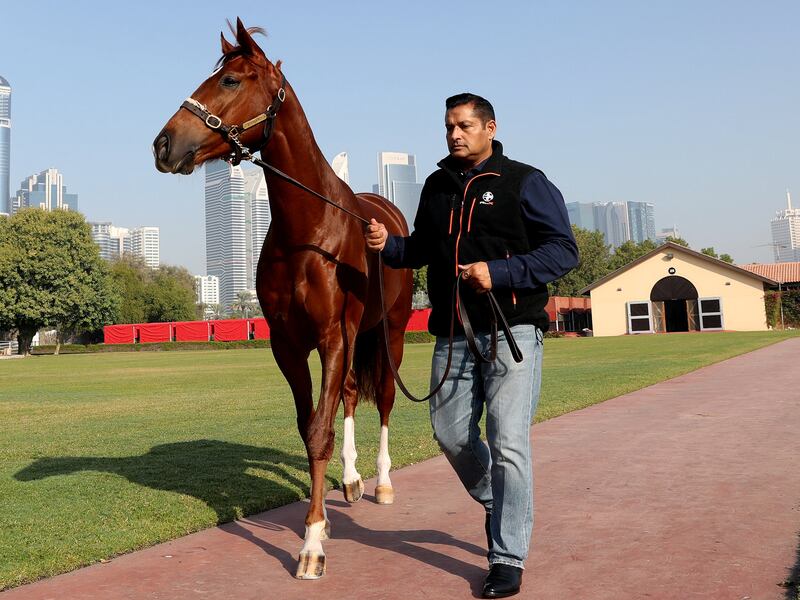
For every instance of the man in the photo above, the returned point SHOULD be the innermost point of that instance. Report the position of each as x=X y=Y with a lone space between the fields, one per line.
x=501 y=226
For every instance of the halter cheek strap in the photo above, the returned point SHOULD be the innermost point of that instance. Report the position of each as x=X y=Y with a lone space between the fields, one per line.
x=230 y=133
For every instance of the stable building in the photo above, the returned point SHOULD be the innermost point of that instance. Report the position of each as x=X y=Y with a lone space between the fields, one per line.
x=672 y=289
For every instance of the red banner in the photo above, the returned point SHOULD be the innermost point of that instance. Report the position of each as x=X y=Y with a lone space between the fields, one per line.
x=230 y=330
x=118 y=334
x=155 y=332
x=260 y=328
x=192 y=331
x=419 y=320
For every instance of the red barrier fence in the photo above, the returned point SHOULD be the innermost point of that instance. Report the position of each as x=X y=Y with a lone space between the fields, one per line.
x=192 y=331
x=229 y=330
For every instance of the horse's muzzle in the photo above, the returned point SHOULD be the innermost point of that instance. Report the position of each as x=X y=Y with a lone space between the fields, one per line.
x=167 y=164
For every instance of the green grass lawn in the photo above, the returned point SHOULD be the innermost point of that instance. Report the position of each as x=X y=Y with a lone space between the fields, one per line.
x=101 y=454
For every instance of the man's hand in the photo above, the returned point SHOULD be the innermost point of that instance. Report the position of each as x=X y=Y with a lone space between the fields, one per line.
x=376 y=235
x=477 y=276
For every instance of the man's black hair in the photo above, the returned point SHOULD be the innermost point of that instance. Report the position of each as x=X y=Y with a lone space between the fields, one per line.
x=481 y=106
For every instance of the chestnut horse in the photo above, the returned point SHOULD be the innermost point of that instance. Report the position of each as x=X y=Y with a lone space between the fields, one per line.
x=315 y=281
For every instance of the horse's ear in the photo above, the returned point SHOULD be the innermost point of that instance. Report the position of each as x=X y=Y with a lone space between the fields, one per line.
x=246 y=40
x=226 y=45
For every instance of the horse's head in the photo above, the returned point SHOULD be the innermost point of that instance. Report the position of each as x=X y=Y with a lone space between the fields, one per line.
x=245 y=87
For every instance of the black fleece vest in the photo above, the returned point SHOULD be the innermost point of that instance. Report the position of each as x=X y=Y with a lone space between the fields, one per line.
x=476 y=221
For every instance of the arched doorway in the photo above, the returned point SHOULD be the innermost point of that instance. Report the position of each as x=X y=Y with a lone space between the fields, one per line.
x=674 y=302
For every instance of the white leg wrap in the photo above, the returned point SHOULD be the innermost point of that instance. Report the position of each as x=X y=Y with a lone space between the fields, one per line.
x=384 y=462
x=349 y=453
x=315 y=534
x=314 y=537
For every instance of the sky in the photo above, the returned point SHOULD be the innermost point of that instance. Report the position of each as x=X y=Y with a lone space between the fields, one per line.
x=693 y=106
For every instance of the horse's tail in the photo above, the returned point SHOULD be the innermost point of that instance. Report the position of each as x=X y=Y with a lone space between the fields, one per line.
x=368 y=360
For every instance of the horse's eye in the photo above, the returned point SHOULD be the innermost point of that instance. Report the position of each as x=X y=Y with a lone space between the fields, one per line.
x=229 y=81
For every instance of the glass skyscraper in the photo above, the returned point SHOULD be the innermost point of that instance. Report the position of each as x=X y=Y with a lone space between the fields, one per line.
x=397 y=182
x=46 y=191
x=642 y=221
x=237 y=220
x=5 y=146
x=581 y=215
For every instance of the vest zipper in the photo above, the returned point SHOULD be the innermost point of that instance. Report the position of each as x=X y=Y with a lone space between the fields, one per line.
x=513 y=295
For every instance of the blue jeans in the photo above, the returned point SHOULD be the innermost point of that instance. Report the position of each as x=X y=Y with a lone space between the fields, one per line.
x=498 y=475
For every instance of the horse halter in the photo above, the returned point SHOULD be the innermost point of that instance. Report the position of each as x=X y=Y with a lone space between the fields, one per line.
x=230 y=133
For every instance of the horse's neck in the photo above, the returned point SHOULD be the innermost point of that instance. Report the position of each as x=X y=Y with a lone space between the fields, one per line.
x=293 y=149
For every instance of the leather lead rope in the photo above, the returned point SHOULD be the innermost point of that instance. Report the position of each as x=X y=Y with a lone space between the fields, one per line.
x=468 y=334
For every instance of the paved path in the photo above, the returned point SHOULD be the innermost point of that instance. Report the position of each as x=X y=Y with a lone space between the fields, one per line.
x=686 y=489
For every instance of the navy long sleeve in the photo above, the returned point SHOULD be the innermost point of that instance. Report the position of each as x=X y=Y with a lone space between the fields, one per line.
x=554 y=250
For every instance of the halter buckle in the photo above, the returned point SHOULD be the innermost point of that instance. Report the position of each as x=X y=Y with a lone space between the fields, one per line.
x=213 y=122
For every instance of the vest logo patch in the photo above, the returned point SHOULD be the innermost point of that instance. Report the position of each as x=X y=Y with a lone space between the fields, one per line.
x=487 y=198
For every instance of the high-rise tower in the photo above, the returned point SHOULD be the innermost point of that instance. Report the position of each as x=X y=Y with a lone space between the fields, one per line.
x=5 y=146
x=341 y=167
x=786 y=233
x=397 y=182
x=257 y=218
x=642 y=221
x=226 y=234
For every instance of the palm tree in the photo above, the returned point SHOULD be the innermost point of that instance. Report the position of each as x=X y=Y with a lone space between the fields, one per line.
x=213 y=312
x=243 y=303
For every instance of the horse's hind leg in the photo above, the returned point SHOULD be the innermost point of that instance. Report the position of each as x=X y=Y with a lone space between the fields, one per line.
x=385 y=392
x=352 y=484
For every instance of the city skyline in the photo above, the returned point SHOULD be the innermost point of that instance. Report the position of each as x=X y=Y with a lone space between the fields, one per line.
x=626 y=112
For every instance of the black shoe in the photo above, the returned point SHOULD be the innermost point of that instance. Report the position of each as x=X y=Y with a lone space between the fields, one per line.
x=502 y=580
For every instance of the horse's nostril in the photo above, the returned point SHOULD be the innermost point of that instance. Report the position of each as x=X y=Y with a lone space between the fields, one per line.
x=162 y=147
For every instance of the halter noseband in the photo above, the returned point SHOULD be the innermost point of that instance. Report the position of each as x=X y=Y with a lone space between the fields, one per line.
x=230 y=133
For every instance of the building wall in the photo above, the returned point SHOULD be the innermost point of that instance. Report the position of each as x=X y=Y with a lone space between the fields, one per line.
x=742 y=300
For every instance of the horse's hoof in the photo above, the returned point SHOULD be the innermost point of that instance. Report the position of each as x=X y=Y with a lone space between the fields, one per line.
x=310 y=566
x=384 y=494
x=353 y=491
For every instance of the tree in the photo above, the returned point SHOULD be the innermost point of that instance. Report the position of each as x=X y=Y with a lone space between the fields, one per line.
x=150 y=295
x=678 y=240
x=726 y=258
x=213 y=311
x=242 y=307
x=421 y=279
x=51 y=275
x=592 y=265
x=130 y=277
x=709 y=252
x=628 y=252
x=169 y=295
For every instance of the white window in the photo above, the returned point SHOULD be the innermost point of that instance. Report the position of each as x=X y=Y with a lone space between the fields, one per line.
x=710 y=314
x=640 y=318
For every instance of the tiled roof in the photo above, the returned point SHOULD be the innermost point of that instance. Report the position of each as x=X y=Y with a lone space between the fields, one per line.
x=784 y=272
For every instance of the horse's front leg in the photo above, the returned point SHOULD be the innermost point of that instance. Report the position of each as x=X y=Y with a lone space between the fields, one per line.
x=293 y=363
x=335 y=359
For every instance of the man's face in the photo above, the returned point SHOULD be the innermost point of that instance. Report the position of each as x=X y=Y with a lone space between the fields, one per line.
x=469 y=140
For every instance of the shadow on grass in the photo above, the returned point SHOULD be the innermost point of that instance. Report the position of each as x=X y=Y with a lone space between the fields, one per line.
x=218 y=473
x=221 y=475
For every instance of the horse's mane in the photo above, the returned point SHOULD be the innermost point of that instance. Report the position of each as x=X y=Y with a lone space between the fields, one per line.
x=237 y=50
